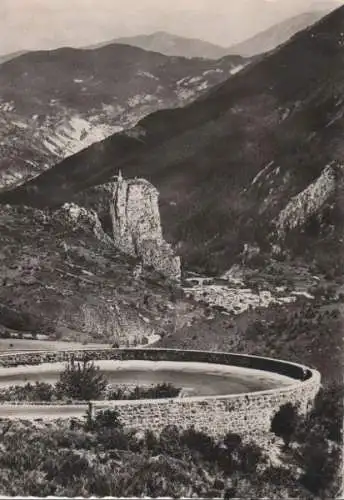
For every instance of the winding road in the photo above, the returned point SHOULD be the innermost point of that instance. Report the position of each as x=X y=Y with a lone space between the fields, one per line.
x=195 y=379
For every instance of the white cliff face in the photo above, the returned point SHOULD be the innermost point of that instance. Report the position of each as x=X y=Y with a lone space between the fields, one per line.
x=137 y=227
x=307 y=203
x=73 y=134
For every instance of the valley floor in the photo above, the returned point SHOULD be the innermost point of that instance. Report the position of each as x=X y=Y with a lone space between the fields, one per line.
x=305 y=329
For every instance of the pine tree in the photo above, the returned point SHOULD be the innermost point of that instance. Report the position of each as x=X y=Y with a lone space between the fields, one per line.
x=81 y=380
x=284 y=422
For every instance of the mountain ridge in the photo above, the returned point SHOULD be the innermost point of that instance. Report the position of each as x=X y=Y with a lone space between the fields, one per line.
x=56 y=103
x=204 y=157
x=171 y=45
x=276 y=35
x=175 y=45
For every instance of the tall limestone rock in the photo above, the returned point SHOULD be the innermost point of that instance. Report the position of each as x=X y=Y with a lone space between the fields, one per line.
x=136 y=225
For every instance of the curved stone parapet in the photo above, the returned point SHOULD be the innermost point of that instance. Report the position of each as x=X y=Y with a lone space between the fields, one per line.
x=247 y=413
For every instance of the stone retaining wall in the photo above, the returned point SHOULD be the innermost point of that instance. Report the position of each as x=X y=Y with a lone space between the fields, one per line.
x=241 y=413
x=216 y=415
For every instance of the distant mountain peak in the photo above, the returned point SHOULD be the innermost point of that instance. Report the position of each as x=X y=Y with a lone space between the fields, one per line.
x=172 y=45
x=274 y=36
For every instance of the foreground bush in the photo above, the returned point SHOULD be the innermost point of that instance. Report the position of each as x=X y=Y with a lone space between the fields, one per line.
x=42 y=392
x=106 y=460
x=39 y=391
x=321 y=461
x=284 y=422
x=328 y=412
x=81 y=380
x=318 y=438
x=159 y=391
x=98 y=457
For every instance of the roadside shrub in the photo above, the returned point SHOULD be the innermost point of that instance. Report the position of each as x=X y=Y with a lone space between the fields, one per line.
x=159 y=391
x=68 y=468
x=39 y=391
x=284 y=422
x=107 y=419
x=81 y=380
x=200 y=442
x=321 y=462
x=112 y=439
x=232 y=441
x=250 y=456
x=329 y=410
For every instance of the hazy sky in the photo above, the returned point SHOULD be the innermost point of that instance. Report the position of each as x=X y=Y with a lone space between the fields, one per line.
x=45 y=24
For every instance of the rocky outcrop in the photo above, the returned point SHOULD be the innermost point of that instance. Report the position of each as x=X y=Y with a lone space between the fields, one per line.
x=308 y=202
x=77 y=218
x=137 y=228
x=59 y=279
x=249 y=253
